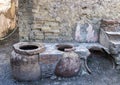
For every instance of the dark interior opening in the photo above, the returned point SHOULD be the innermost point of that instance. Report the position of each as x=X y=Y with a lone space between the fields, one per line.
x=63 y=47
x=101 y=58
x=28 y=47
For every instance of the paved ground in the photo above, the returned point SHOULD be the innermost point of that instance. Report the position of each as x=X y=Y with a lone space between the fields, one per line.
x=101 y=66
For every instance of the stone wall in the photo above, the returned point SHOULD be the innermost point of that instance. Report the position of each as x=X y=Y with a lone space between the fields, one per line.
x=56 y=20
x=8 y=17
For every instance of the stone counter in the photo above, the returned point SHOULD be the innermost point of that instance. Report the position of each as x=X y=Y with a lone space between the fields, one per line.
x=51 y=56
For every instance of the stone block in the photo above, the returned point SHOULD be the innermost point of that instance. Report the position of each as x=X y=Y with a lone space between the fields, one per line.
x=46 y=29
x=109 y=22
x=42 y=17
x=115 y=36
x=51 y=36
x=49 y=58
x=117 y=58
x=52 y=24
x=104 y=40
x=110 y=25
x=39 y=22
x=114 y=47
x=38 y=35
x=48 y=63
x=110 y=41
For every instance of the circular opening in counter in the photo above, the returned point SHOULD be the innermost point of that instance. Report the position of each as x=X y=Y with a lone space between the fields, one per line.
x=62 y=47
x=28 y=47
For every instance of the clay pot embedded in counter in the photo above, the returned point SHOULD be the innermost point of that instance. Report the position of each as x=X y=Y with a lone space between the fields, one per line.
x=24 y=61
x=65 y=47
x=69 y=64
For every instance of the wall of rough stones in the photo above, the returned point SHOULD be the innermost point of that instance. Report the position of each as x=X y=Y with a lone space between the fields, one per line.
x=56 y=20
x=8 y=19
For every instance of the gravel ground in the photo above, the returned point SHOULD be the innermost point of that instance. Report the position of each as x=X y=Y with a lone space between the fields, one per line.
x=101 y=66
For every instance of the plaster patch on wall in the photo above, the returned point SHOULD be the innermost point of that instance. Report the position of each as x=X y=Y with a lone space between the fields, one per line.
x=4 y=25
x=8 y=16
x=85 y=33
x=5 y=5
x=77 y=32
x=90 y=34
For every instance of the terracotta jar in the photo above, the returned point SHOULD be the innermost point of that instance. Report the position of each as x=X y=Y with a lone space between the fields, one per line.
x=69 y=65
x=24 y=61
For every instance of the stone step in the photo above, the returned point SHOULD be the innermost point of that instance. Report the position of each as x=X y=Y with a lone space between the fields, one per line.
x=110 y=25
x=113 y=35
x=114 y=47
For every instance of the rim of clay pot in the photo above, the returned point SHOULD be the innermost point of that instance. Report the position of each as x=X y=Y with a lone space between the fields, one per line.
x=29 y=48
x=65 y=47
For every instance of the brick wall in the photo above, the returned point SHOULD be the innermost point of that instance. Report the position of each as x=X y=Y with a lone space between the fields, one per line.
x=56 y=20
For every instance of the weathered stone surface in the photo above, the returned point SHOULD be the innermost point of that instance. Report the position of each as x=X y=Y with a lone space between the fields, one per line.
x=24 y=67
x=117 y=58
x=8 y=18
x=110 y=25
x=63 y=16
x=28 y=48
x=114 y=47
x=104 y=40
x=86 y=33
x=37 y=35
x=110 y=35
x=115 y=36
x=51 y=35
x=106 y=22
x=51 y=56
x=68 y=66
x=83 y=53
x=48 y=63
x=24 y=61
